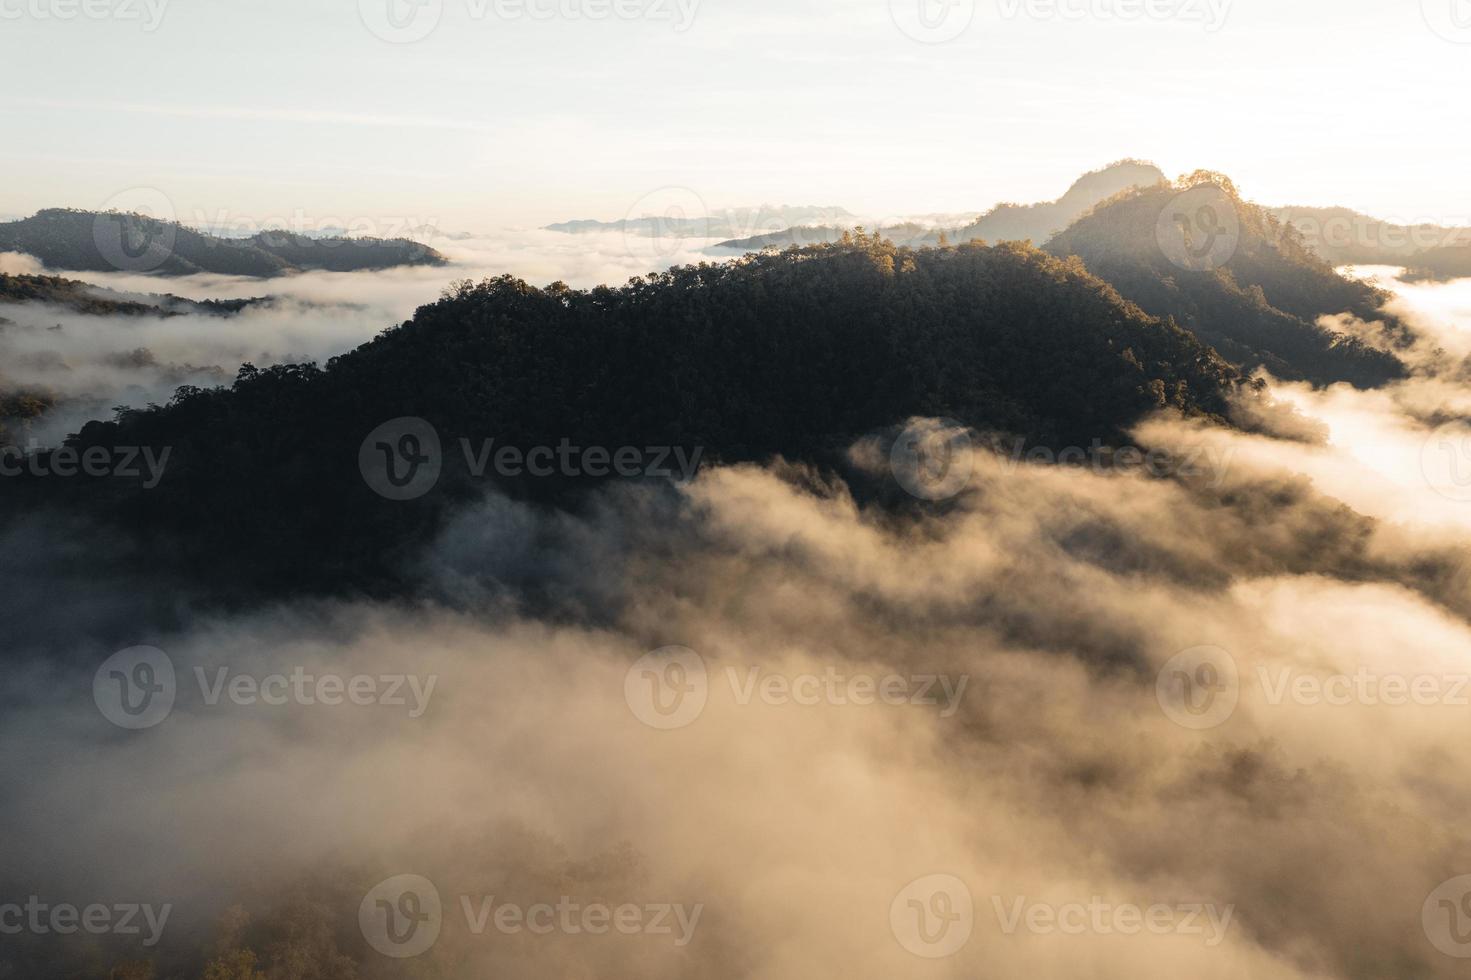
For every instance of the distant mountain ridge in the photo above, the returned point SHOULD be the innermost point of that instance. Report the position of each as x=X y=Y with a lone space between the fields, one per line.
x=794 y=354
x=716 y=224
x=90 y=300
x=1004 y=223
x=1259 y=305
x=1440 y=264
x=93 y=241
x=1343 y=236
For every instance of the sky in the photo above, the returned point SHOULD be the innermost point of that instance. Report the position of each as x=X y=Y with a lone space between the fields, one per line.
x=524 y=112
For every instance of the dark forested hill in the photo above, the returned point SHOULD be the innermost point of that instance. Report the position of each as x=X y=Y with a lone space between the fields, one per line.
x=90 y=241
x=1440 y=264
x=795 y=353
x=1237 y=278
x=1003 y=223
x=85 y=298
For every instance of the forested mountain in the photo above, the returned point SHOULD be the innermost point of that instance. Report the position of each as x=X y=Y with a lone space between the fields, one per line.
x=717 y=224
x=1258 y=307
x=1003 y=223
x=1439 y=264
x=1342 y=236
x=794 y=353
x=85 y=298
x=90 y=241
x=18 y=406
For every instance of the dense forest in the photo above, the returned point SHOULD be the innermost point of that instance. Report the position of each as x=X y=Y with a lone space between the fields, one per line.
x=1440 y=264
x=90 y=300
x=89 y=241
x=1260 y=308
x=18 y=406
x=796 y=354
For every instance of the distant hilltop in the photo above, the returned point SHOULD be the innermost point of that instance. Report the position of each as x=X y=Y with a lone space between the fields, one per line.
x=724 y=223
x=1004 y=223
x=109 y=241
x=1346 y=237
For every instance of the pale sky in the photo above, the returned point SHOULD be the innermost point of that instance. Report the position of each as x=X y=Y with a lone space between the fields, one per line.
x=262 y=108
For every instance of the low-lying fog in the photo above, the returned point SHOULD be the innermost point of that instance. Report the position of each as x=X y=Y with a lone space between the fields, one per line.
x=969 y=731
x=98 y=362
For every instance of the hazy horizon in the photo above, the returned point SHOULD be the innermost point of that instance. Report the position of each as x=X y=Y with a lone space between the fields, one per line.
x=1080 y=590
x=537 y=119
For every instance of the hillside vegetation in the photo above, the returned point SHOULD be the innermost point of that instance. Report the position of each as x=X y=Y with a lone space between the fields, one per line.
x=1260 y=308
x=90 y=241
x=794 y=354
x=90 y=300
x=1440 y=264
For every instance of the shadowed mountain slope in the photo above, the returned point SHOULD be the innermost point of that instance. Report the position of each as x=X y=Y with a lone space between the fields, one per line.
x=793 y=354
